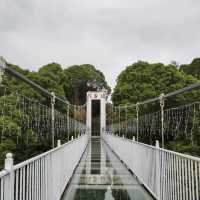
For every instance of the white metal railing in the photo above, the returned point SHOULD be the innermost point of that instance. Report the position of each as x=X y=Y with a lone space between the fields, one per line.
x=43 y=177
x=166 y=174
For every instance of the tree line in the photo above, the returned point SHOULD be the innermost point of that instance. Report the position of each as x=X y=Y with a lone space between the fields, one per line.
x=138 y=82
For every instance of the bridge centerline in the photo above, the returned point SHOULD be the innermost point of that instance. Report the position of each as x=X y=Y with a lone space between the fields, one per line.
x=102 y=172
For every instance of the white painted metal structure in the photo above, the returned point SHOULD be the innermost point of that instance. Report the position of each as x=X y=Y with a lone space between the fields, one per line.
x=168 y=175
x=101 y=96
x=96 y=96
x=43 y=177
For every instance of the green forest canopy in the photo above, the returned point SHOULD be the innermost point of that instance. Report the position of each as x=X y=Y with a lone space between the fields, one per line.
x=142 y=80
x=69 y=83
x=137 y=82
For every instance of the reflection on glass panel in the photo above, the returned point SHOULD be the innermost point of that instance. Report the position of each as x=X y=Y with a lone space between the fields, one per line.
x=100 y=175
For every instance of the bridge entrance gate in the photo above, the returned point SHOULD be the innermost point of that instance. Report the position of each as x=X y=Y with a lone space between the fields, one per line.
x=93 y=97
x=100 y=174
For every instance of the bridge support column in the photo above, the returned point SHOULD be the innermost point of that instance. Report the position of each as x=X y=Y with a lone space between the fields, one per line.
x=96 y=96
x=89 y=117
x=103 y=115
x=9 y=167
x=52 y=117
x=158 y=170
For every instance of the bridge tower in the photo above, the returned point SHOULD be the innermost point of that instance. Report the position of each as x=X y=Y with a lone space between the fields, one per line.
x=91 y=96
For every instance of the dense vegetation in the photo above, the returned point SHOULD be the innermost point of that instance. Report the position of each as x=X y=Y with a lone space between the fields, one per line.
x=15 y=134
x=193 y=68
x=76 y=79
x=142 y=81
x=69 y=83
x=136 y=83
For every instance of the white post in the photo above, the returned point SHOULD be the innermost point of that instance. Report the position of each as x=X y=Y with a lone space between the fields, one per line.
x=67 y=122
x=126 y=120
x=52 y=117
x=119 y=121
x=137 y=110
x=8 y=161
x=9 y=167
x=58 y=143
x=103 y=115
x=75 y=121
x=72 y=137
x=112 y=118
x=89 y=115
x=162 y=103
x=134 y=138
x=158 y=169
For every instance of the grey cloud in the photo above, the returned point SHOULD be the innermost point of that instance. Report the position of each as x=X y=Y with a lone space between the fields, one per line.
x=109 y=34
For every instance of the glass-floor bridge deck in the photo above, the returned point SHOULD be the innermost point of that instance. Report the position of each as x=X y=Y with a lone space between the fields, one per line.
x=100 y=175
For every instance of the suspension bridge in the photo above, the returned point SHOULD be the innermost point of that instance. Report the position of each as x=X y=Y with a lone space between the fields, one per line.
x=123 y=156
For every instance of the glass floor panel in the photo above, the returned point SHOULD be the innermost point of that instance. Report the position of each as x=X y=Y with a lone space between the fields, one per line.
x=100 y=175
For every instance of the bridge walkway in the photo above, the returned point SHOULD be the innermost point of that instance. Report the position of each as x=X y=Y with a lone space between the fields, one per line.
x=100 y=175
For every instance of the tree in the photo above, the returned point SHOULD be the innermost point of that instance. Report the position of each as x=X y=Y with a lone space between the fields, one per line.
x=193 y=68
x=76 y=79
x=142 y=81
x=175 y=64
x=15 y=135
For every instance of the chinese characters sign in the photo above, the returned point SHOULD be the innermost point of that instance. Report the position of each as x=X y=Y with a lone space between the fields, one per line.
x=96 y=95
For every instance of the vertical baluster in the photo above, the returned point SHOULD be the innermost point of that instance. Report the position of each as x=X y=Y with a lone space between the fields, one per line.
x=198 y=164
x=186 y=179
x=30 y=181
x=175 y=182
x=180 y=179
x=189 y=178
x=17 y=184
x=183 y=179
x=20 y=186
x=171 y=176
x=36 y=169
x=196 y=182
x=39 y=179
x=24 y=182
x=34 y=182
x=192 y=174
x=46 y=163
x=168 y=176
x=42 y=179
x=2 y=188
x=27 y=181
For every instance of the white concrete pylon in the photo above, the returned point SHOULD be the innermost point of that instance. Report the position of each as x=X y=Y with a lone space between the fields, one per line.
x=96 y=96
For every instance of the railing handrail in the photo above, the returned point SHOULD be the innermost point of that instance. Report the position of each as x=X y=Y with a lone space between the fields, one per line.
x=30 y=160
x=161 y=149
x=45 y=176
x=4 y=173
x=17 y=166
x=166 y=174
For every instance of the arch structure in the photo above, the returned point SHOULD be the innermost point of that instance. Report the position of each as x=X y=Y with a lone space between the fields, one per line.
x=91 y=96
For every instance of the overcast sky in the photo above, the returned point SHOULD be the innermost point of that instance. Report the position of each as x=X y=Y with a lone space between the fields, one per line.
x=109 y=34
